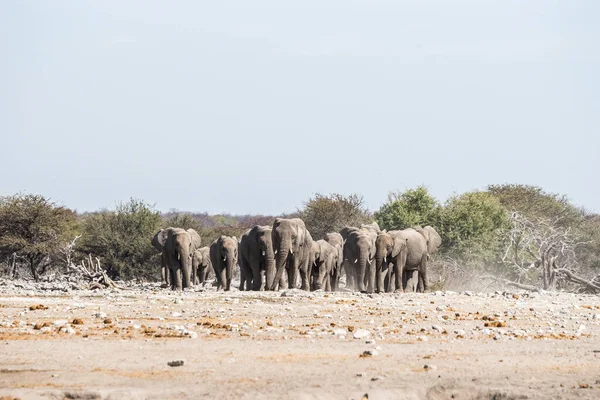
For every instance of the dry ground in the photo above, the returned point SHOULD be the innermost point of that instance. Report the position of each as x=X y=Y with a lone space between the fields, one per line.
x=296 y=345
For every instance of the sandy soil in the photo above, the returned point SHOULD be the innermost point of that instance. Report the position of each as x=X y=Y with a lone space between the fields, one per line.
x=297 y=345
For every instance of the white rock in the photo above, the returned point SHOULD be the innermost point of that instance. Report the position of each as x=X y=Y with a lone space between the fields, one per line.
x=60 y=322
x=422 y=338
x=361 y=334
x=339 y=331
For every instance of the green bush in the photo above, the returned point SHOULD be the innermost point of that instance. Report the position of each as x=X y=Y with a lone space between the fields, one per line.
x=35 y=230
x=121 y=240
x=324 y=214
x=406 y=209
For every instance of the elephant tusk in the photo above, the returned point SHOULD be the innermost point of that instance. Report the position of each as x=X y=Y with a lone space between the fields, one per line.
x=384 y=259
x=263 y=253
x=291 y=251
x=355 y=261
x=178 y=256
x=224 y=258
x=275 y=252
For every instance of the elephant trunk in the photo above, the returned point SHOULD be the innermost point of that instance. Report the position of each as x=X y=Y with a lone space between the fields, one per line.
x=229 y=263
x=280 y=260
x=185 y=261
x=361 y=269
x=269 y=267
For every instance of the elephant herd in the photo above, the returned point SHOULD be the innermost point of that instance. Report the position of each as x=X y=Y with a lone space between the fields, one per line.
x=373 y=260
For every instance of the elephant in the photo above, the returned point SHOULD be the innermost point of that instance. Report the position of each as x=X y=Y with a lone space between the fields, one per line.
x=323 y=258
x=201 y=265
x=255 y=257
x=421 y=243
x=390 y=248
x=359 y=253
x=224 y=257
x=178 y=247
x=158 y=242
x=292 y=245
x=337 y=241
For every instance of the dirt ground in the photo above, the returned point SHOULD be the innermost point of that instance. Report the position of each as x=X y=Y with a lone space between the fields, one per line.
x=116 y=344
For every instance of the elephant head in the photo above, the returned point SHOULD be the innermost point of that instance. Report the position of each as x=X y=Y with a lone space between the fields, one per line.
x=323 y=258
x=289 y=237
x=200 y=265
x=359 y=252
x=159 y=239
x=224 y=257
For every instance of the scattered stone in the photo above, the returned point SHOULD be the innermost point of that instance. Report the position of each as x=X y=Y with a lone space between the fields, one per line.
x=77 y=321
x=430 y=367
x=177 y=363
x=361 y=334
x=38 y=307
x=377 y=378
x=369 y=353
x=60 y=322
x=360 y=374
x=108 y=321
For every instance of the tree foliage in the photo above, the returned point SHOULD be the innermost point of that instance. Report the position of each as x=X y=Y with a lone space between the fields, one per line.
x=409 y=208
x=473 y=223
x=121 y=239
x=34 y=229
x=323 y=214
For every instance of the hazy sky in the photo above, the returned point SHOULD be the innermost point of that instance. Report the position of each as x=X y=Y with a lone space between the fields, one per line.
x=254 y=106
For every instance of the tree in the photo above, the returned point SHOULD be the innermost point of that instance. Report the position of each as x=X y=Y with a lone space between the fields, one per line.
x=409 y=208
x=323 y=214
x=473 y=223
x=121 y=239
x=533 y=202
x=34 y=229
x=184 y=221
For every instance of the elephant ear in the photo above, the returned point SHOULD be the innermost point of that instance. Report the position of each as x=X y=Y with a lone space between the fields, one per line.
x=400 y=243
x=300 y=235
x=435 y=240
x=159 y=240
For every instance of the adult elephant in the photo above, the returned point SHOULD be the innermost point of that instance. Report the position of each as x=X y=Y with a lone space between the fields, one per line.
x=359 y=254
x=224 y=257
x=178 y=247
x=421 y=243
x=323 y=259
x=255 y=257
x=337 y=241
x=201 y=265
x=292 y=244
x=390 y=248
x=158 y=242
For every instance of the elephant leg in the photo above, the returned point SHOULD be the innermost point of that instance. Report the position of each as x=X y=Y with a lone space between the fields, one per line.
x=263 y=280
x=306 y=276
x=164 y=271
x=380 y=273
x=398 y=272
x=243 y=273
x=372 y=275
x=256 y=277
x=423 y=283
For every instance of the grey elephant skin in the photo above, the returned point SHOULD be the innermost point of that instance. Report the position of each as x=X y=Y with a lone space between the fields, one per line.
x=201 y=265
x=323 y=259
x=224 y=258
x=390 y=252
x=178 y=245
x=359 y=254
x=292 y=245
x=410 y=270
x=158 y=242
x=256 y=257
x=337 y=241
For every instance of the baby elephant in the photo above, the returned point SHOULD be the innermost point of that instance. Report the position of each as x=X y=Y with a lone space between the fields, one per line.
x=224 y=258
x=201 y=265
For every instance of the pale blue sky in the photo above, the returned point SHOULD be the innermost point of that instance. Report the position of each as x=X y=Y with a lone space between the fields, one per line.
x=254 y=106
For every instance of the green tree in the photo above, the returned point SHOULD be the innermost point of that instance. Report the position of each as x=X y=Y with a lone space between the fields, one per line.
x=536 y=204
x=473 y=223
x=121 y=239
x=323 y=214
x=184 y=221
x=409 y=208
x=35 y=229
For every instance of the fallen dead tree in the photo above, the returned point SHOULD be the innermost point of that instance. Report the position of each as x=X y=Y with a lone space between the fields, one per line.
x=543 y=255
x=91 y=274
